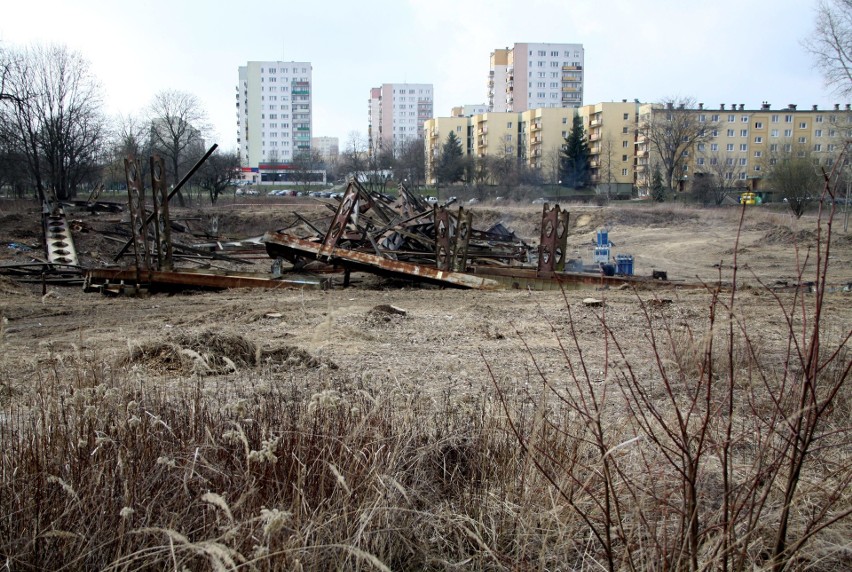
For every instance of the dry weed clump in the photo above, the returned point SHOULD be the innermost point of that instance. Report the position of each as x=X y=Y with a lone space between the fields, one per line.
x=215 y=353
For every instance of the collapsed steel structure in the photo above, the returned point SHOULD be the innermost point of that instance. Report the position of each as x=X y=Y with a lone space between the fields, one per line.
x=402 y=237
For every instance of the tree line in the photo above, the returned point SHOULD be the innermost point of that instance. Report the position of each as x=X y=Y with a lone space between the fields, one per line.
x=56 y=139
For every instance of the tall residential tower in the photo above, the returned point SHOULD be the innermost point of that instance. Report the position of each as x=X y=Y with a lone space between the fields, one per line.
x=273 y=113
x=397 y=112
x=533 y=76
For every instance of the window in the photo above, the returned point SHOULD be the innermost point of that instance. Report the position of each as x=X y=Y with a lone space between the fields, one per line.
x=817 y=147
x=554 y=64
x=730 y=132
x=729 y=176
x=701 y=146
x=626 y=116
x=623 y=158
x=743 y=132
x=742 y=176
x=774 y=119
x=729 y=147
x=542 y=53
x=685 y=153
x=832 y=133
x=714 y=133
x=743 y=146
x=757 y=167
x=773 y=161
x=818 y=119
x=788 y=133
x=731 y=119
x=773 y=147
x=714 y=160
x=831 y=147
x=803 y=140
x=700 y=160
x=624 y=129
x=744 y=119
x=758 y=139
x=788 y=119
x=758 y=125
x=702 y=118
x=624 y=172
x=818 y=133
x=714 y=146
x=729 y=161
x=714 y=117
x=564 y=120
x=758 y=154
x=787 y=147
x=624 y=143
x=773 y=133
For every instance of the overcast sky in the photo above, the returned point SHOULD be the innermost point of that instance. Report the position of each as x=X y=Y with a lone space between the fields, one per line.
x=719 y=51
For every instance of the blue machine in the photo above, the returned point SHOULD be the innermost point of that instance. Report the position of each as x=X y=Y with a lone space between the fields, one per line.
x=624 y=264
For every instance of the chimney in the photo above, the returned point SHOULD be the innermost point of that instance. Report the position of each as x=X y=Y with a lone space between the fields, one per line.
x=700 y=106
x=815 y=108
x=836 y=107
x=848 y=107
x=765 y=106
x=733 y=107
x=722 y=107
x=681 y=106
x=742 y=106
x=623 y=101
x=669 y=105
x=791 y=106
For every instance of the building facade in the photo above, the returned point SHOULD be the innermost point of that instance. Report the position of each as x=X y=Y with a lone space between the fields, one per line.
x=742 y=145
x=397 y=112
x=468 y=110
x=327 y=147
x=274 y=115
x=536 y=75
x=536 y=137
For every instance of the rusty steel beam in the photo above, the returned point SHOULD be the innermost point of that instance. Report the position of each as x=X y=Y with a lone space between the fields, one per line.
x=191 y=279
x=162 y=225
x=462 y=240
x=171 y=194
x=444 y=235
x=138 y=216
x=58 y=242
x=554 y=239
x=288 y=246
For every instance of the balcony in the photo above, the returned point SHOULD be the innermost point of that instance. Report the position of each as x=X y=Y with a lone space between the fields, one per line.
x=301 y=92
x=570 y=88
x=572 y=68
x=596 y=122
x=536 y=126
x=595 y=137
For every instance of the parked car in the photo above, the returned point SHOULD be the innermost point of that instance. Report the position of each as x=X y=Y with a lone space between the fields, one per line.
x=432 y=200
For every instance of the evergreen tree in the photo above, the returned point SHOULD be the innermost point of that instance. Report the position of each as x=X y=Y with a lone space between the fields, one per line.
x=451 y=165
x=658 y=188
x=574 y=160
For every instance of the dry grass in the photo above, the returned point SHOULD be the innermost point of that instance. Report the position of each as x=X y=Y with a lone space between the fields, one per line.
x=207 y=451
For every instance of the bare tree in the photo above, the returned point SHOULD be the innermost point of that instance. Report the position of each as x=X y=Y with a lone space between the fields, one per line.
x=716 y=176
x=671 y=130
x=794 y=177
x=52 y=117
x=305 y=165
x=178 y=124
x=218 y=173
x=411 y=162
x=831 y=44
x=605 y=167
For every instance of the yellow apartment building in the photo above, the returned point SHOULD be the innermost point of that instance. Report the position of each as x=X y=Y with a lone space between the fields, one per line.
x=611 y=129
x=743 y=144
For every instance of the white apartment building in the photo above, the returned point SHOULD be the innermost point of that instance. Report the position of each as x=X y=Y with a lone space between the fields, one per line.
x=327 y=147
x=397 y=112
x=536 y=75
x=274 y=115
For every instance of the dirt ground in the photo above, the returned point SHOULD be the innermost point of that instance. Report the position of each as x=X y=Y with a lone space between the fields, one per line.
x=430 y=340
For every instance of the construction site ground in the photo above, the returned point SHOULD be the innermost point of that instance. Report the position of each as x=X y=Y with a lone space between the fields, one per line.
x=419 y=339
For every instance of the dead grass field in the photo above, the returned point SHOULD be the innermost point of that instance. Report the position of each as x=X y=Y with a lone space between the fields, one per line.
x=318 y=430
